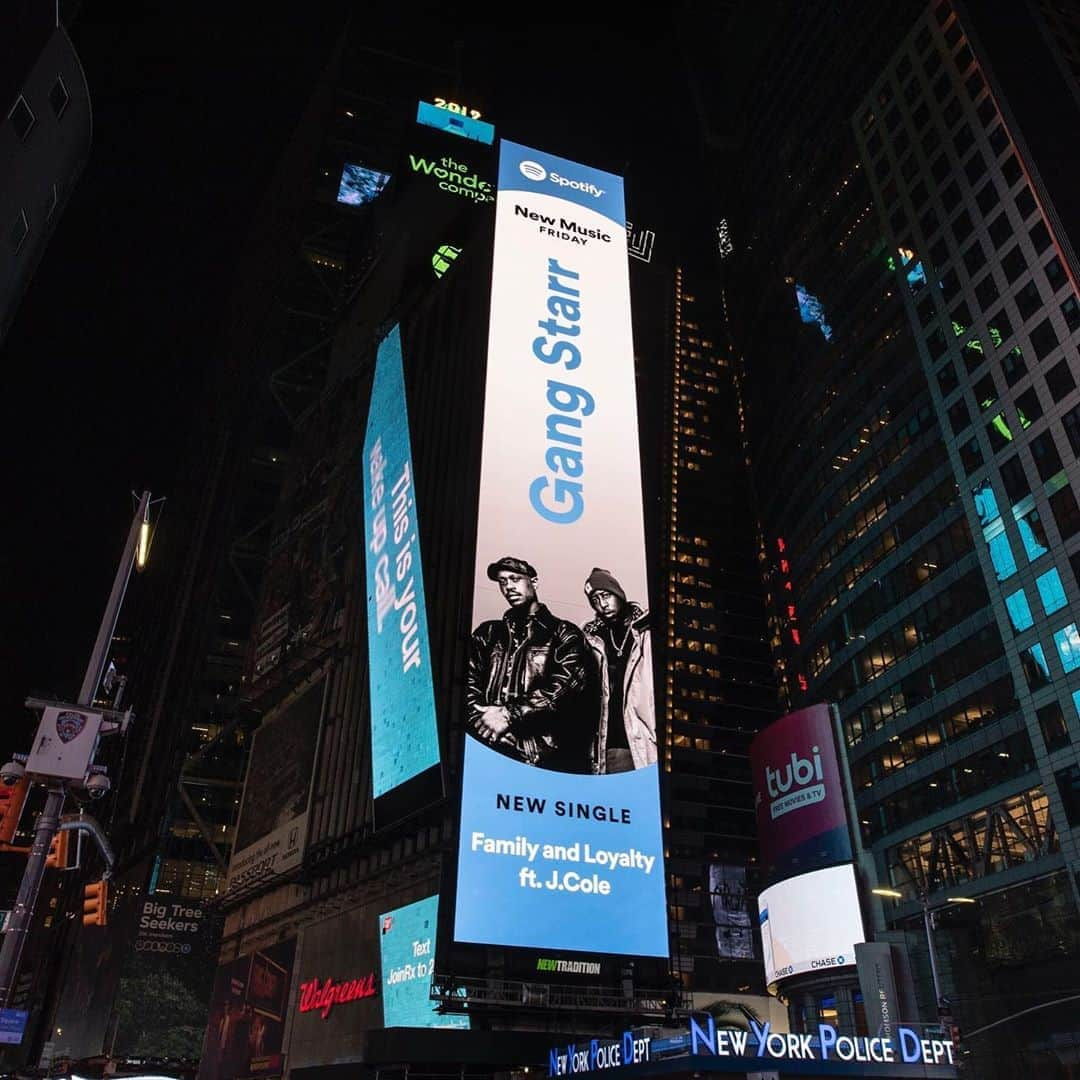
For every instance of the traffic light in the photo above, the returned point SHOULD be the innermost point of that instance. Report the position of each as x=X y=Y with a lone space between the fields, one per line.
x=58 y=851
x=11 y=804
x=95 y=902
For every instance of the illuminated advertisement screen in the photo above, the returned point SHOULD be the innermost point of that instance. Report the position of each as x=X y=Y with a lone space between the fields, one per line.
x=560 y=841
x=810 y=923
x=404 y=731
x=801 y=810
x=246 y=1022
x=731 y=912
x=452 y=120
x=812 y=311
x=407 y=951
x=360 y=185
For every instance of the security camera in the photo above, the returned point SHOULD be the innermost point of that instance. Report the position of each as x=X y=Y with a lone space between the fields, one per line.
x=97 y=785
x=12 y=773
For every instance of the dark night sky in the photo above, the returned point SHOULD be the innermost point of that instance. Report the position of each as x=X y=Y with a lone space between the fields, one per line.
x=105 y=361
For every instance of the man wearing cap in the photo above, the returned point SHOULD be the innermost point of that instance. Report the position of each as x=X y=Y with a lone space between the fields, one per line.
x=622 y=644
x=532 y=690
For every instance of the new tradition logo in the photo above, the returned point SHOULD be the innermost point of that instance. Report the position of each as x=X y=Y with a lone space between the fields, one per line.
x=533 y=170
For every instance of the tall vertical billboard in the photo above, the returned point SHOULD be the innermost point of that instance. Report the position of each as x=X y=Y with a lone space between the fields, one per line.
x=560 y=844
x=404 y=731
x=798 y=795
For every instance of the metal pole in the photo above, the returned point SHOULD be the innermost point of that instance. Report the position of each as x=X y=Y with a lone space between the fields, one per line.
x=928 y=922
x=112 y=608
x=49 y=820
x=21 y=915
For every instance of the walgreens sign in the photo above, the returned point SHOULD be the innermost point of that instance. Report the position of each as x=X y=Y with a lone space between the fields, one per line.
x=798 y=795
x=322 y=997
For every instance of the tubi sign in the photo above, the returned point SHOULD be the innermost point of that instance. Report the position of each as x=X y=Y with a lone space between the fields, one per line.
x=798 y=794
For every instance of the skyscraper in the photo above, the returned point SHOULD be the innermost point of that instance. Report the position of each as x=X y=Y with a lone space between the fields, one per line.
x=44 y=140
x=718 y=687
x=906 y=307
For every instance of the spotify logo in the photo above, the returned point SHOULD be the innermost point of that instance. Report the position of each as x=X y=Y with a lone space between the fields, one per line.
x=533 y=170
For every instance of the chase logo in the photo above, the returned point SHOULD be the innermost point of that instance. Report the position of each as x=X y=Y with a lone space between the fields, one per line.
x=533 y=170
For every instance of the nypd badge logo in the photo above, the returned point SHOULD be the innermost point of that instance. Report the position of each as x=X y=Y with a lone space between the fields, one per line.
x=69 y=725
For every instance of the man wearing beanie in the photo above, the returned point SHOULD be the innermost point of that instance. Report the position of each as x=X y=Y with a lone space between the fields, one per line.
x=622 y=644
x=532 y=690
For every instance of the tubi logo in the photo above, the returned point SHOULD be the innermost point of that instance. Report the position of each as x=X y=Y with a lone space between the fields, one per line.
x=533 y=170
x=798 y=783
x=800 y=771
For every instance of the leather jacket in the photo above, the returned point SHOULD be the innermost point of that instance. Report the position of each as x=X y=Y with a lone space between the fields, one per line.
x=541 y=669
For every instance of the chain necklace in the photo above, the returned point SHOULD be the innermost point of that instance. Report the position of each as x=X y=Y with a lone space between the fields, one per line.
x=626 y=637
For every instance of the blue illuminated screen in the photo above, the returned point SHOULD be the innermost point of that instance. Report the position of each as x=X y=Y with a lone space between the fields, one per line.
x=407 y=952
x=455 y=123
x=359 y=185
x=404 y=730
x=812 y=311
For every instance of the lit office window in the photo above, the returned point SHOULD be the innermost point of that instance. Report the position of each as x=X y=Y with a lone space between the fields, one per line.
x=1067 y=640
x=1051 y=591
x=1002 y=557
x=985 y=503
x=1019 y=610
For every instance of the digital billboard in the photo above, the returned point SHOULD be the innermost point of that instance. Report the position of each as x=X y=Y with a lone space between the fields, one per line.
x=798 y=795
x=731 y=911
x=404 y=731
x=246 y=1025
x=359 y=185
x=811 y=310
x=407 y=952
x=810 y=923
x=271 y=831
x=450 y=117
x=560 y=840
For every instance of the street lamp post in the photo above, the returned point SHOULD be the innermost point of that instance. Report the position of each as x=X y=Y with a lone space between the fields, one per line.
x=49 y=820
x=929 y=925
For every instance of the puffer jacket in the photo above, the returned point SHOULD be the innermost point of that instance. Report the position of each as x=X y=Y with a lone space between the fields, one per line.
x=639 y=703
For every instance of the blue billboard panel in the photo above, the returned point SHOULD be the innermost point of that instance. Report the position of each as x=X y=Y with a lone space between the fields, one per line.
x=456 y=123
x=404 y=731
x=407 y=953
x=12 y=1025
x=560 y=840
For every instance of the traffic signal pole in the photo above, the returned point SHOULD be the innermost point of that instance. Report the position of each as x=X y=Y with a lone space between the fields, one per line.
x=48 y=821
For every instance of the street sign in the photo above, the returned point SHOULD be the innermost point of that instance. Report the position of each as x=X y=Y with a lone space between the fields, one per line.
x=12 y=1025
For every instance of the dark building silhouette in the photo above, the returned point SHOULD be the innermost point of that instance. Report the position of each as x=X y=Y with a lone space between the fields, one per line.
x=44 y=140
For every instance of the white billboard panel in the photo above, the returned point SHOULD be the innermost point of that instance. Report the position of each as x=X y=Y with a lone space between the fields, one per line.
x=810 y=923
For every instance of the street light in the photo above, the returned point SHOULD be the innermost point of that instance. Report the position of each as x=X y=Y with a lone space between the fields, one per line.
x=52 y=830
x=929 y=925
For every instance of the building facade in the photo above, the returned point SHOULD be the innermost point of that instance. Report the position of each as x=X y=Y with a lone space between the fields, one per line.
x=44 y=141
x=907 y=307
